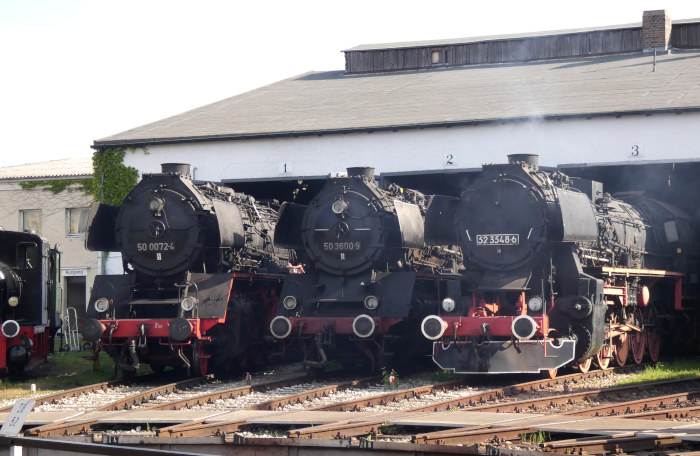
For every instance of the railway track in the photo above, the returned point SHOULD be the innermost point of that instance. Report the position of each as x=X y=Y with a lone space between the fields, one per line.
x=225 y=412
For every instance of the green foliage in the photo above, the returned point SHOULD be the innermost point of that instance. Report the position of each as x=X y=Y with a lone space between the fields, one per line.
x=386 y=377
x=660 y=372
x=112 y=180
x=536 y=437
x=58 y=185
x=443 y=376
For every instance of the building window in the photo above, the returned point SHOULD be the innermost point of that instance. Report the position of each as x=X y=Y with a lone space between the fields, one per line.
x=30 y=219
x=76 y=220
x=438 y=57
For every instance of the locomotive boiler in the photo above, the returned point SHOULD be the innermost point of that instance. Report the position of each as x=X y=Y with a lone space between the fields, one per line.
x=29 y=280
x=368 y=276
x=201 y=275
x=559 y=272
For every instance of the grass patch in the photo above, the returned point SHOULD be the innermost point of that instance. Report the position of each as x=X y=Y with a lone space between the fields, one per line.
x=676 y=370
x=62 y=371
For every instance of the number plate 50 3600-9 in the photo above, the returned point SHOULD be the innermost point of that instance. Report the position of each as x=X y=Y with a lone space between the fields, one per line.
x=497 y=239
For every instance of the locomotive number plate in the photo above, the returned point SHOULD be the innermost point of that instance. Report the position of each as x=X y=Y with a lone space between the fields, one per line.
x=497 y=239
x=337 y=246
x=154 y=246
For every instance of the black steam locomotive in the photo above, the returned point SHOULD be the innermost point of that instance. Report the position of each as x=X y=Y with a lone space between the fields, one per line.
x=559 y=272
x=201 y=276
x=369 y=279
x=29 y=283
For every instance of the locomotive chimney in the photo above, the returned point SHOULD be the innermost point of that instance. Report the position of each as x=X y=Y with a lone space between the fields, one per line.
x=361 y=171
x=529 y=159
x=179 y=168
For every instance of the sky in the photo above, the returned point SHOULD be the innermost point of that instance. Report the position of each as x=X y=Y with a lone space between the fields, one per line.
x=75 y=71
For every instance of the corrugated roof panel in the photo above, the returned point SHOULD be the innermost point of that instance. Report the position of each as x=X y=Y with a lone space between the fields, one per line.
x=332 y=101
x=66 y=168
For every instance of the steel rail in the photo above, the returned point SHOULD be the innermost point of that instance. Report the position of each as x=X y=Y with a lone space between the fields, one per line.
x=204 y=427
x=361 y=427
x=74 y=392
x=617 y=444
x=69 y=425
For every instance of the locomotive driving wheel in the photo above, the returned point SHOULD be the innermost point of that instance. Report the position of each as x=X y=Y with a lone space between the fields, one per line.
x=603 y=357
x=622 y=349
x=638 y=339
x=653 y=335
x=584 y=366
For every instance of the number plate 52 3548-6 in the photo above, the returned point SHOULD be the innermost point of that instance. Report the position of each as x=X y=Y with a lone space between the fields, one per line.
x=497 y=239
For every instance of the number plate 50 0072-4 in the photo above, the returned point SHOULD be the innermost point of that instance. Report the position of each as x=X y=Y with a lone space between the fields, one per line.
x=497 y=239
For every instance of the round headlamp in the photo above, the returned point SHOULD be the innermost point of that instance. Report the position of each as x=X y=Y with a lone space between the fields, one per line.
x=371 y=302
x=102 y=304
x=13 y=301
x=188 y=303
x=289 y=302
x=534 y=304
x=339 y=206
x=448 y=304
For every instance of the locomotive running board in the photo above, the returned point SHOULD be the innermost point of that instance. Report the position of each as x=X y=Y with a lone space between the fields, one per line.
x=499 y=357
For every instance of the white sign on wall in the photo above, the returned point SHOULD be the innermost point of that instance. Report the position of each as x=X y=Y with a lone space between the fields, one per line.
x=74 y=272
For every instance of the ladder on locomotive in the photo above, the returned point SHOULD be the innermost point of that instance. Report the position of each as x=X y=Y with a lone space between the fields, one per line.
x=70 y=329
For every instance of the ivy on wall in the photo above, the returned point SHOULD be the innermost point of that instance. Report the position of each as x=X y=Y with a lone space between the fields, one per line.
x=111 y=180
x=57 y=186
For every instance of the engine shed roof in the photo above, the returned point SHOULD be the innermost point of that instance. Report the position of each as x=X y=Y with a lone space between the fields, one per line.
x=336 y=102
x=68 y=168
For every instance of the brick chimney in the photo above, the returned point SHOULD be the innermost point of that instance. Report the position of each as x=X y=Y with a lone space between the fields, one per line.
x=656 y=30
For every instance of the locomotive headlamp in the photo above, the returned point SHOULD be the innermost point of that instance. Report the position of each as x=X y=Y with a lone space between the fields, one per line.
x=102 y=304
x=155 y=204
x=371 y=302
x=188 y=303
x=523 y=327
x=13 y=301
x=433 y=327
x=448 y=304
x=289 y=302
x=534 y=304
x=339 y=206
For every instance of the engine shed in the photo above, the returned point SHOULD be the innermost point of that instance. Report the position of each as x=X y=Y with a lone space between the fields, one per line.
x=620 y=104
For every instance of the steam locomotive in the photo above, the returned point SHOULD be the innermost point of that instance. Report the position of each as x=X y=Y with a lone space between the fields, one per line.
x=559 y=273
x=369 y=278
x=202 y=276
x=29 y=281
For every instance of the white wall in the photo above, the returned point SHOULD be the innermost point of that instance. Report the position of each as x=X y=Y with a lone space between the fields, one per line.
x=599 y=140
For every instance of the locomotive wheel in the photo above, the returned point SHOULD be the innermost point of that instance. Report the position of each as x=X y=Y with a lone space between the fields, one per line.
x=638 y=344
x=654 y=344
x=602 y=358
x=622 y=349
x=200 y=360
x=550 y=373
x=653 y=335
x=584 y=366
